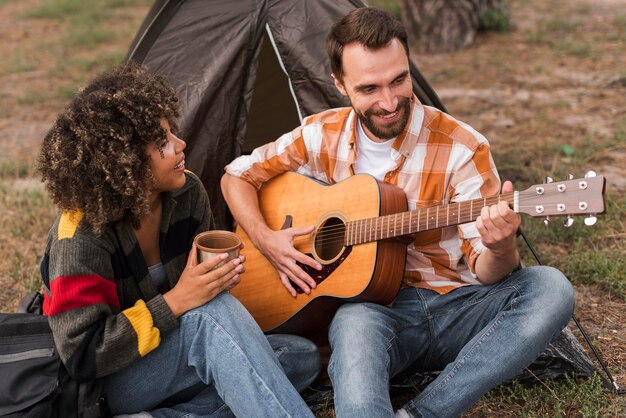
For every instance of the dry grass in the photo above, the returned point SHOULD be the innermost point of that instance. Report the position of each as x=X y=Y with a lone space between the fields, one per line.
x=549 y=95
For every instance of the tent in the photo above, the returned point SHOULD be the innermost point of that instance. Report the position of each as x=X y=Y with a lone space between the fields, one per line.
x=246 y=71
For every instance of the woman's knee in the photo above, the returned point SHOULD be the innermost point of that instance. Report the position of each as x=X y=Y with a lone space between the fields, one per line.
x=225 y=313
x=224 y=305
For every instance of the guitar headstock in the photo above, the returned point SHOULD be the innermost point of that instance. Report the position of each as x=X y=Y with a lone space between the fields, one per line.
x=584 y=196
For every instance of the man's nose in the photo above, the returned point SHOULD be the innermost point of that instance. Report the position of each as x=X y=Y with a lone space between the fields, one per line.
x=388 y=101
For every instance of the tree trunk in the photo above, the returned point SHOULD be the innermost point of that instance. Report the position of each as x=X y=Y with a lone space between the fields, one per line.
x=438 y=26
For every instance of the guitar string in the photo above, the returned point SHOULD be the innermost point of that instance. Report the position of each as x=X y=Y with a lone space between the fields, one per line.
x=336 y=233
x=374 y=226
x=370 y=234
x=369 y=229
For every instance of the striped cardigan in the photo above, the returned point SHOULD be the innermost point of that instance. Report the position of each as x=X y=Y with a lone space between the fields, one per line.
x=102 y=306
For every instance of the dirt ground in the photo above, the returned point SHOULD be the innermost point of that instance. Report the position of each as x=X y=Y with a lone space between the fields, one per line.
x=558 y=79
x=531 y=97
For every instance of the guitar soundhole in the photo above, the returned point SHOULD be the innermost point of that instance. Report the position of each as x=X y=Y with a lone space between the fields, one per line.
x=329 y=240
x=329 y=250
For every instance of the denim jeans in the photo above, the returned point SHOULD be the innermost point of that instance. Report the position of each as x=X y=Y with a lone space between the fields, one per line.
x=218 y=363
x=479 y=336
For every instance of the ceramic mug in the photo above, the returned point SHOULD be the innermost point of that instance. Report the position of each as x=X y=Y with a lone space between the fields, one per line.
x=211 y=244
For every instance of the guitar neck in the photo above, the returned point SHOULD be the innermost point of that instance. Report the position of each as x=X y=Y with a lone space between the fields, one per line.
x=420 y=220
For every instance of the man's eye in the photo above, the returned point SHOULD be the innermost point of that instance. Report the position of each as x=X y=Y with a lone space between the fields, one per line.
x=399 y=80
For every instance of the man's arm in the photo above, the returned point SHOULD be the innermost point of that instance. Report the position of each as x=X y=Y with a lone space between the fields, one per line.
x=497 y=226
x=276 y=246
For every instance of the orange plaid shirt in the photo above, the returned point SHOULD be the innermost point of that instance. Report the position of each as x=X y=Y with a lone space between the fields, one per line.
x=439 y=160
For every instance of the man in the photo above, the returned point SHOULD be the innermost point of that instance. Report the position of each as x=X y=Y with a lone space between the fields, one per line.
x=465 y=307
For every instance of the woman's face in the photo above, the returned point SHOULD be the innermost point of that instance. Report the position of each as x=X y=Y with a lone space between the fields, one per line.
x=167 y=161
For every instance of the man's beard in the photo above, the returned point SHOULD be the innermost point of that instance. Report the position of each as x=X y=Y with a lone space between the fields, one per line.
x=390 y=130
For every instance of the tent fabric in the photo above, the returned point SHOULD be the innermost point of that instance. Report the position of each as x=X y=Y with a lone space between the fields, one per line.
x=246 y=71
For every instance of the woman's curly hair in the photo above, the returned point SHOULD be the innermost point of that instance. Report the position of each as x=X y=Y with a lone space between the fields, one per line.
x=94 y=158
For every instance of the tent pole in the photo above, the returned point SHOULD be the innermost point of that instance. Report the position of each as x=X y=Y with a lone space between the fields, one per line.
x=610 y=384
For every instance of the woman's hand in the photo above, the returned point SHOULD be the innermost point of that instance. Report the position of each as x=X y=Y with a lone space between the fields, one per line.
x=201 y=282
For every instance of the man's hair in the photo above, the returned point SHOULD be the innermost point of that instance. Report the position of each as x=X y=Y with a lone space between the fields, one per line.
x=94 y=157
x=373 y=28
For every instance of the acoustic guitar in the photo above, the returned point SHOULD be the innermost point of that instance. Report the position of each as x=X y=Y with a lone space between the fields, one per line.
x=357 y=225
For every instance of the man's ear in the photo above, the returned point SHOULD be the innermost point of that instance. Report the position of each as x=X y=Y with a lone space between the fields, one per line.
x=339 y=85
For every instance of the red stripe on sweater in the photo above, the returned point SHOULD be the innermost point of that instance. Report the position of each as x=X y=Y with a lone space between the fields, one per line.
x=72 y=292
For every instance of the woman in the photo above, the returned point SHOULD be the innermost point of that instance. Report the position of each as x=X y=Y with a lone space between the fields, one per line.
x=127 y=301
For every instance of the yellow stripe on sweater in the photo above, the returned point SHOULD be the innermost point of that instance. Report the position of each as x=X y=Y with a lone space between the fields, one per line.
x=69 y=223
x=148 y=337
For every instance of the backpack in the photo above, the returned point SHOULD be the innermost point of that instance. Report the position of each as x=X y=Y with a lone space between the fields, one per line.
x=34 y=382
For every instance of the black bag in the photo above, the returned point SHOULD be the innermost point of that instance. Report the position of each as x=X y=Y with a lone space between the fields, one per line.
x=33 y=381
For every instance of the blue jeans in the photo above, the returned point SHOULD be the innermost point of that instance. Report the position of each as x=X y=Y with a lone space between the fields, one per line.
x=218 y=363
x=479 y=336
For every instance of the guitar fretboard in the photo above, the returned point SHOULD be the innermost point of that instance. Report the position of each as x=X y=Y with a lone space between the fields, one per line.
x=419 y=220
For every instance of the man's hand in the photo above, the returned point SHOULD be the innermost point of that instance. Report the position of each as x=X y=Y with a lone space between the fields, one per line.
x=278 y=248
x=497 y=226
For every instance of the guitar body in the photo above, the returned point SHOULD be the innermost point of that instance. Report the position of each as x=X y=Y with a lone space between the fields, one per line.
x=370 y=271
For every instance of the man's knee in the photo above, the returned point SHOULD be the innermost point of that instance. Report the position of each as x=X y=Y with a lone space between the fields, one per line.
x=360 y=333
x=551 y=285
x=352 y=318
x=552 y=294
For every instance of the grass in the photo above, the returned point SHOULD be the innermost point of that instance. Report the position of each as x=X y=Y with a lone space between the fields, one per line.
x=80 y=11
x=495 y=19
x=561 y=34
x=620 y=23
x=600 y=256
x=85 y=24
x=89 y=39
x=16 y=169
x=31 y=96
x=26 y=213
x=92 y=37
x=19 y=63
x=86 y=38
x=555 y=156
x=567 y=397
x=562 y=398
x=392 y=6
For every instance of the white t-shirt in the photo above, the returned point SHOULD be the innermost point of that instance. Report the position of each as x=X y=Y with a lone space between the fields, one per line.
x=373 y=157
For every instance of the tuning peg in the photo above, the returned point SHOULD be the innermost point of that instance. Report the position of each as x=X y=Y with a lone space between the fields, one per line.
x=590 y=173
x=590 y=220
x=548 y=180
x=570 y=177
x=568 y=222
x=546 y=221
